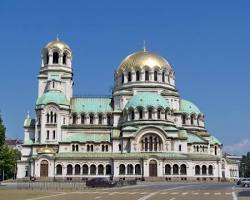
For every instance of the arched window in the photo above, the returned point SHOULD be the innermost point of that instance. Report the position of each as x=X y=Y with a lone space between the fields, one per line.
x=92 y=169
x=204 y=170
x=151 y=142
x=130 y=169
x=167 y=169
x=140 y=111
x=155 y=76
x=192 y=119
x=163 y=77
x=129 y=77
x=73 y=147
x=215 y=150
x=183 y=119
x=74 y=118
x=146 y=76
x=108 y=169
x=197 y=170
x=122 y=169
x=175 y=169
x=137 y=75
x=183 y=169
x=100 y=119
x=150 y=113
x=77 y=147
x=100 y=169
x=109 y=119
x=47 y=117
x=77 y=169
x=197 y=148
x=91 y=118
x=55 y=57
x=122 y=78
x=55 y=116
x=59 y=169
x=85 y=169
x=179 y=147
x=51 y=117
x=132 y=113
x=137 y=169
x=47 y=135
x=210 y=170
x=107 y=147
x=92 y=147
x=82 y=118
x=69 y=170
x=159 y=114
x=103 y=147
x=64 y=58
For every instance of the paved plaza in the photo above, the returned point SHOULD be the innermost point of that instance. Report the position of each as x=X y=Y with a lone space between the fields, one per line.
x=163 y=190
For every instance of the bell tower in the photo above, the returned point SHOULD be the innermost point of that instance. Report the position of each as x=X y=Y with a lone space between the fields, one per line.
x=56 y=69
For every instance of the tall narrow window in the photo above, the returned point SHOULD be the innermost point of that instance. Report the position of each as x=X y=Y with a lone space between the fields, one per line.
x=91 y=119
x=179 y=147
x=51 y=117
x=140 y=113
x=132 y=114
x=129 y=77
x=215 y=150
x=77 y=147
x=47 y=135
x=159 y=114
x=55 y=118
x=183 y=119
x=146 y=76
x=192 y=119
x=55 y=58
x=155 y=76
x=163 y=77
x=54 y=135
x=53 y=84
x=74 y=118
x=82 y=118
x=47 y=117
x=47 y=58
x=64 y=58
x=122 y=78
x=100 y=119
x=150 y=113
x=109 y=119
x=107 y=148
x=137 y=75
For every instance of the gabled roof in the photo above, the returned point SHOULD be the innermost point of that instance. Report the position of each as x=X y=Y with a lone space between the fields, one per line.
x=91 y=104
x=53 y=96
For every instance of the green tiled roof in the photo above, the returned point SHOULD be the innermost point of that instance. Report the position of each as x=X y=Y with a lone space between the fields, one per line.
x=192 y=138
x=188 y=107
x=53 y=96
x=147 y=99
x=88 y=137
x=88 y=105
x=213 y=140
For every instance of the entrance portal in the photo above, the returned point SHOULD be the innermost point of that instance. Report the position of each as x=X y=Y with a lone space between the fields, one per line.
x=152 y=168
x=44 y=168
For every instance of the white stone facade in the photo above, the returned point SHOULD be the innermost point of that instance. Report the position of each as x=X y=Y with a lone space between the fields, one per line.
x=144 y=130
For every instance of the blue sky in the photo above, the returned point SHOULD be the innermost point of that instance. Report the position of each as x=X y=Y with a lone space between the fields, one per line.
x=207 y=43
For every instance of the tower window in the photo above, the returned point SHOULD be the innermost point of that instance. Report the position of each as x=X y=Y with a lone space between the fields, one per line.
x=137 y=75
x=122 y=78
x=91 y=119
x=64 y=58
x=163 y=77
x=47 y=58
x=155 y=76
x=146 y=76
x=47 y=135
x=54 y=134
x=55 y=58
x=129 y=77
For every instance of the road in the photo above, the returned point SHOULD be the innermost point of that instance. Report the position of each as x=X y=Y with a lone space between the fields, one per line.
x=142 y=191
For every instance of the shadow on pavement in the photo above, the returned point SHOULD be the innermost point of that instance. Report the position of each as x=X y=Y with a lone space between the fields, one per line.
x=244 y=193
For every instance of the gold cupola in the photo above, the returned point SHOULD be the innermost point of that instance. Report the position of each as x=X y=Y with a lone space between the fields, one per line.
x=143 y=60
x=57 y=44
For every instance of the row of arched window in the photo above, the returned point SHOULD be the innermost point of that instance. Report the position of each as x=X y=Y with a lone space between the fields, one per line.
x=176 y=169
x=84 y=170
x=204 y=170
x=91 y=117
x=152 y=113
x=130 y=169
x=51 y=117
x=157 y=76
x=194 y=119
x=90 y=147
x=55 y=58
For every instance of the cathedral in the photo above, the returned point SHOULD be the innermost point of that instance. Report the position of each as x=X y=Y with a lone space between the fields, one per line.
x=144 y=130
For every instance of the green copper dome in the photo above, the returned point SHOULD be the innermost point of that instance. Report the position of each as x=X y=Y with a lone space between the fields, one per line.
x=53 y=96
x=188 y=107
x=147 y=99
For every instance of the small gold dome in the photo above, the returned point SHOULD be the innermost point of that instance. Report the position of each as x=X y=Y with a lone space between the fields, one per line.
x=142 y=60
x=57 y=44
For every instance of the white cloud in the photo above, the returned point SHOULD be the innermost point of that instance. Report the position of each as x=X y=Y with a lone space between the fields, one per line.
x=240 y=148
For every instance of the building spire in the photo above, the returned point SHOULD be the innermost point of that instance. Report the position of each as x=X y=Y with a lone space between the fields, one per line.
x=144 y=46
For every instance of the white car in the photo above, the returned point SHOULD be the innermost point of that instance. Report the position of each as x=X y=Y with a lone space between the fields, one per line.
x=245 y=182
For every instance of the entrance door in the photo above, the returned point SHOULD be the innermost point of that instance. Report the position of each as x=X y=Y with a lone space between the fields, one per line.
x=44 y=168
x=152 y=168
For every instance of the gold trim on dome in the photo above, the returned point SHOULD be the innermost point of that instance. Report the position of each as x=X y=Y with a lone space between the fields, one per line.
x=57 y=44
x=141 y=60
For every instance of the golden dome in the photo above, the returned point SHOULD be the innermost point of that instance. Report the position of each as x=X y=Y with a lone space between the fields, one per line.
x=141 y=60
x=45 y=150
x=57 y=44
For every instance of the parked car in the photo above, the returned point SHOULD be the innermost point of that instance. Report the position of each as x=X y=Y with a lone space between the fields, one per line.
x=245 y=182
x=239 y=180
x=101 y=182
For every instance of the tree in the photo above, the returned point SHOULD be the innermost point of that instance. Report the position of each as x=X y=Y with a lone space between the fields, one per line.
x=245 y=165
x=2 y=132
